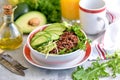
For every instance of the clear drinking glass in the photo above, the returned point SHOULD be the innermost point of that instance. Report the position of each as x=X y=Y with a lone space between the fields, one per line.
x=70 y=11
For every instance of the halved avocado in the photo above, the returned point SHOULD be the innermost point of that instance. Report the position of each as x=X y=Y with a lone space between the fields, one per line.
x=30 y=21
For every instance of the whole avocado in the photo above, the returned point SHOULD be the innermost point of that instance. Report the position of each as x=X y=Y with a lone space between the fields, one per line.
x=21 y=9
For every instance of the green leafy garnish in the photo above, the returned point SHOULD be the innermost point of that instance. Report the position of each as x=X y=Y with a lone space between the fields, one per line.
x=62 y=51
x=82 y=38
x=98 y=69
x=50 y=8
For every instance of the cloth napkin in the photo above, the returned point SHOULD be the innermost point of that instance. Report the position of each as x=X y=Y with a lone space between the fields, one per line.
x=108 y=42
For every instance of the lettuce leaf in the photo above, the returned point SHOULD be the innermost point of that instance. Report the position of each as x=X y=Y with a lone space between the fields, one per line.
x=77 y=30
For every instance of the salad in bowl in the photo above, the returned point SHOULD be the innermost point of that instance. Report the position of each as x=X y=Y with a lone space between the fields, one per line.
x=57 y=43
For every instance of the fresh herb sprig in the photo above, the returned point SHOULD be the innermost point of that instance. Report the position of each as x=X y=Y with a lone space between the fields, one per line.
x=98 y=69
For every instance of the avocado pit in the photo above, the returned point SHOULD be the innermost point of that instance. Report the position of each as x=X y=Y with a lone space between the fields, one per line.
x=34 y=21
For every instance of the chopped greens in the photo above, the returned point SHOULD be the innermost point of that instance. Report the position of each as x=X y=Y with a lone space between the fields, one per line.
x=98 y=69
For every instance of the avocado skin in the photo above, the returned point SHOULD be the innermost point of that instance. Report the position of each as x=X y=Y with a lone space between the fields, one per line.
x=21 y=9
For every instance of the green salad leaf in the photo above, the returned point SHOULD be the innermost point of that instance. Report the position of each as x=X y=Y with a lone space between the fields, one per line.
x=77 y=30
x=97 y=69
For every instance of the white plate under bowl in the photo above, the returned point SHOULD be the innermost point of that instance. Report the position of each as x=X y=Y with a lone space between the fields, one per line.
x=72 y=64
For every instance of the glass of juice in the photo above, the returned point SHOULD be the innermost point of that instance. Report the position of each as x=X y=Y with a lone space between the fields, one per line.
x=70 y=11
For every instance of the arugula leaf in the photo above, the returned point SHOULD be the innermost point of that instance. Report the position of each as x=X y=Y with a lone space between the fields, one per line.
x=91 y=73
x=115 y=65
x=98 y=69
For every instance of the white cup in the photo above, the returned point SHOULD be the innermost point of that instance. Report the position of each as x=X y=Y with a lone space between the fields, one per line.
x=93 y=16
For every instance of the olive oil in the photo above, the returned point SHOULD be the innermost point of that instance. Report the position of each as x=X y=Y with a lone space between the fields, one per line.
x=9 y=44
x=10 y=34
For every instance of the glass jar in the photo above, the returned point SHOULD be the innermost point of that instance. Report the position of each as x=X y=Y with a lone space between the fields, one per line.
x=10 y=34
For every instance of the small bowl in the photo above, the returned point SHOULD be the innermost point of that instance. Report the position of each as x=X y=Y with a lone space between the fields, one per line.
x=53 y=59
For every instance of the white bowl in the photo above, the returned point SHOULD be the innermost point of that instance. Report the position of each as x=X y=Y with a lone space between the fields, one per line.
x=53 y=59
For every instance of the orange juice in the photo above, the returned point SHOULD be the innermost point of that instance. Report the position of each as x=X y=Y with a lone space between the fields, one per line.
x=70 y=9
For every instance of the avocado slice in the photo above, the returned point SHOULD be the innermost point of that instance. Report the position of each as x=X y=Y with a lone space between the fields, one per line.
x=54 y=36
x=58 y=32
x=39 y=41
x=55 y=26
x=41 y=33
x=30 y=21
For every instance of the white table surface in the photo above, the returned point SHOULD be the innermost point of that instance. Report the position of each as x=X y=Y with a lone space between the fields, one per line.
x=35 y=73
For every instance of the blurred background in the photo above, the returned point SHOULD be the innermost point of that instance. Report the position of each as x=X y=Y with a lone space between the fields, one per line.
x=54 y=12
